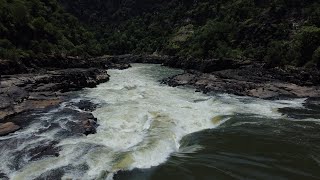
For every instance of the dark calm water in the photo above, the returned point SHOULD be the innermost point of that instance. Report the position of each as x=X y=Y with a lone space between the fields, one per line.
x=149 y=131
x=246 y=147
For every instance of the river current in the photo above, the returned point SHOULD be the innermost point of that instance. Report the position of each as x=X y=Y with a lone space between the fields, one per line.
x=148 y=130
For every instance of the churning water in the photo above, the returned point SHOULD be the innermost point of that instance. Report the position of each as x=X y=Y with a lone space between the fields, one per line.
x=148 y=130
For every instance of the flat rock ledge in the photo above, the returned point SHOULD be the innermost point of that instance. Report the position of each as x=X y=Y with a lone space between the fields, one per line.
x=246 y=81
x=21 y=93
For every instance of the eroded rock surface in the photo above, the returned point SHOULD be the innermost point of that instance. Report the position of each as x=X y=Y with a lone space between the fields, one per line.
x=32 y=85
x=23 y=92
x=7 y=128
x=251 y=81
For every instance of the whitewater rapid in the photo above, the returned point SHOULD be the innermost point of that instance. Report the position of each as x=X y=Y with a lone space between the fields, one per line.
x=141 y=123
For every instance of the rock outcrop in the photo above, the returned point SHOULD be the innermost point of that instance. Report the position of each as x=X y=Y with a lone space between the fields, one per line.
x=39 y=84
x=7 y=128
x=252 y=80
x=23 y=92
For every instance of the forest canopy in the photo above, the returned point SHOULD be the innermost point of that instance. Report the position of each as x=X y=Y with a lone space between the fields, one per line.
x=280 y=32
x=36 y=28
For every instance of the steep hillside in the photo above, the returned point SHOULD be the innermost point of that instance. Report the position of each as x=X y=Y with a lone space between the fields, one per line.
x=280 y=32
x=277 y=31
x=37 y=28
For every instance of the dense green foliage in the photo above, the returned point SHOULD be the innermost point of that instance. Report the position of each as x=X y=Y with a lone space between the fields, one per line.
x=280 y=32
x=35 y=28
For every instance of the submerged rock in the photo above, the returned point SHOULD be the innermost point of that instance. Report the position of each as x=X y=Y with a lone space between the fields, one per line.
x=46 y=149
x=7 y=128
x=3 y=176
x=86 y=105
x=89 y=126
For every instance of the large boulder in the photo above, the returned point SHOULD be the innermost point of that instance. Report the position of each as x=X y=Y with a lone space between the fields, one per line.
x=89 y=126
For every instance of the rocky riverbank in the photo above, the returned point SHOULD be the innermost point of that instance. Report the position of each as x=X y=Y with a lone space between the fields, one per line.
x=40 y=84
x=29 y=87
x=253 y=80
x=21 y=93
x=240 y=77
x=9 y=67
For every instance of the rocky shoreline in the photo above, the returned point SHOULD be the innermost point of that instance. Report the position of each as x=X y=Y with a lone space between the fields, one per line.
x=251 y=80
x=239 y=77
x=29 y=92
x=25 y=88
x=43 y=84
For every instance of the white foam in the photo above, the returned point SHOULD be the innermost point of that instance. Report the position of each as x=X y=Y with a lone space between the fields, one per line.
x=147 y=120
x=142 y=123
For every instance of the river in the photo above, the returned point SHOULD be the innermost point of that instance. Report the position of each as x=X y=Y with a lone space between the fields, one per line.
x=148 y=130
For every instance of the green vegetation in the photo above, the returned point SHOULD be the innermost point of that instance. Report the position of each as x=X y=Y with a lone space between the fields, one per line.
x=36 y=28
x=280 y=32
